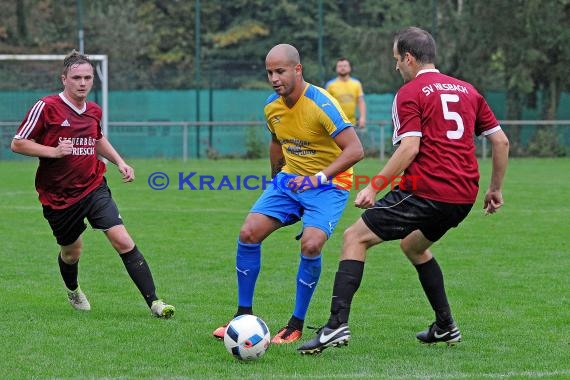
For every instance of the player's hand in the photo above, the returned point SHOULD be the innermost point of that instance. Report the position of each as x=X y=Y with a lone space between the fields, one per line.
x=493 y=201
x=366 y=197
x=302 y=183
x=361 y=124
x=64 y=148
x=127 y=172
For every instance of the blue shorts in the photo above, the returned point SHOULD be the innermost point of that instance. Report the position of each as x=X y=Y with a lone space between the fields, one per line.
x=320 y=207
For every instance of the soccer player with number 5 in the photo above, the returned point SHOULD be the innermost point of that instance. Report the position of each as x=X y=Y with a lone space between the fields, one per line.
x=436 y=118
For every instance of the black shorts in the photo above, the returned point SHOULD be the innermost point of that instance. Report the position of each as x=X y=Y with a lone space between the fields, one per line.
x=400 y=212
x=98 y=207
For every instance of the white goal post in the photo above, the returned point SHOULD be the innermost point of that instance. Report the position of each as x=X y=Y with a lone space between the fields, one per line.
x=101 y=66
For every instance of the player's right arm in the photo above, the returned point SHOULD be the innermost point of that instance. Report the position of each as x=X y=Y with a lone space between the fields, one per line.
x=276 y=157
x=33 y=149
x=30 y=131
x=402 y=158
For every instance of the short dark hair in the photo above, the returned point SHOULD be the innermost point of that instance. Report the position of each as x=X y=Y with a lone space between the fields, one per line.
x=340 y=59
x=418 y=42
x=75 y=58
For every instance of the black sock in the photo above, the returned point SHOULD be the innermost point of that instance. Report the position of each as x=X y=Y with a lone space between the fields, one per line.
x=431 y=279
x=243 y=310
x=139 y=271
x=346 y=283
x=296 y=323
x=68 y=272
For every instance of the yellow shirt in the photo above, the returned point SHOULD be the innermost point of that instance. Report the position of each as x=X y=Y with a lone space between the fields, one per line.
x=347 y=94
x=306 y=132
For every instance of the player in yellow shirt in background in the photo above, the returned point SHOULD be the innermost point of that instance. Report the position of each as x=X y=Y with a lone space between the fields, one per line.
x=348 y=91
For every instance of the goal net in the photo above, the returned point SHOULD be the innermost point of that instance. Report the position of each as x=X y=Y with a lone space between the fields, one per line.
x=25 y=78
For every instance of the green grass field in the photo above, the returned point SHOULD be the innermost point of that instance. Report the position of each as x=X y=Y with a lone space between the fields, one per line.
x=506 y=278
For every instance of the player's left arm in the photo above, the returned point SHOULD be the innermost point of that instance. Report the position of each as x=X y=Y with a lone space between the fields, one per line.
x=487 y=125
x=494 y=197
x=106 y=150
x=352 y=152
x=361 y=112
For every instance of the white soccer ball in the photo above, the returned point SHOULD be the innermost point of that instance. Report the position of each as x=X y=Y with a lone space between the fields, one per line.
x=247 y=337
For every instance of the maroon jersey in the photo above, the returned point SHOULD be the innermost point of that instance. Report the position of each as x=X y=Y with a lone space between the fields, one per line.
x=446 y=114
x=61 y=182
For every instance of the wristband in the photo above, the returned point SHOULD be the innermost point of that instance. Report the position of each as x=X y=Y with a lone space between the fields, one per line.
x=323 y=179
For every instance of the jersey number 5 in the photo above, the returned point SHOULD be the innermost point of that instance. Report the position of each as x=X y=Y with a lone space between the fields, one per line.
x=450 y=115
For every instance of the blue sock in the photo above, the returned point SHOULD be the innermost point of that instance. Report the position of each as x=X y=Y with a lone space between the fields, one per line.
x=248 y=264
x=307 y=279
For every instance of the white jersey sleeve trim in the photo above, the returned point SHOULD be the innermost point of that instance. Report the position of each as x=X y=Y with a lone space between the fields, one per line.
x=396 y=121
x=491 y=131
x=395 y=118
x=396 y=140
x=31 y=121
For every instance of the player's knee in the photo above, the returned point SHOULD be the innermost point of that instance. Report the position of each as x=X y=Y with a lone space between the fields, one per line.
x=247 y=235
x=351 y=236
x=120 y=239
x=410 y=251
x=355 y=239
x=71 y=255
x=122 y=243
x=123 y=247
x=406 y=248
x=311 y=247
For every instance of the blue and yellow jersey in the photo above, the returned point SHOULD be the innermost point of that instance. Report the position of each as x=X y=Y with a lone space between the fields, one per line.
x=306 y=131
x=347 y=94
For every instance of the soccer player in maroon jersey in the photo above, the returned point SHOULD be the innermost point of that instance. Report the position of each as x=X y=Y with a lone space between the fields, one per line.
x=64 y=132
x=436 y=118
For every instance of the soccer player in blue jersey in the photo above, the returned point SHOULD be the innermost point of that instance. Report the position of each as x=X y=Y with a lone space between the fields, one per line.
x=312 y=151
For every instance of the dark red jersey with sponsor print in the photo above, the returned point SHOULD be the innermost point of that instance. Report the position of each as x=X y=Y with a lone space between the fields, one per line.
x=447 y=114
x=61 y=182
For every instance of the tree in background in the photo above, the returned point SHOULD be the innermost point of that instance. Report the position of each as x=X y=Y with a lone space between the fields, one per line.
x=520 y=46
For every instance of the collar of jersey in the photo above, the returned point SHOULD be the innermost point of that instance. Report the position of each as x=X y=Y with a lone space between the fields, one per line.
x=77 y=110
x=426 y=71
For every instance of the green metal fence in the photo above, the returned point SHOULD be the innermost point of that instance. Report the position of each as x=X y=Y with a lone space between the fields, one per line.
x=238 y=139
